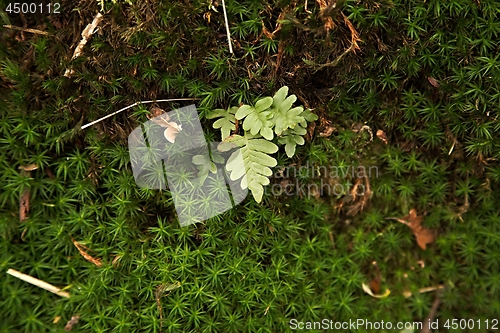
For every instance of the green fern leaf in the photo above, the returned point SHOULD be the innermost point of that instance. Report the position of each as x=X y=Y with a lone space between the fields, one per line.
x=227 y=123
x=309 y=116
x=257 y=118
x=291 y=138
x=283 y=116
x=205 y=165
x=255 y=168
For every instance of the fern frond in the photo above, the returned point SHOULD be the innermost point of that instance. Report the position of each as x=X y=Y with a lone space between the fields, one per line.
x=291 y=138
x=254 y=169
x=283 y=116
x=206 y=165
x=257 y=118
x=226 y=123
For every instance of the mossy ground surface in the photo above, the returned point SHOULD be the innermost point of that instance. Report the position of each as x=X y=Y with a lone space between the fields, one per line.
x=425 y=73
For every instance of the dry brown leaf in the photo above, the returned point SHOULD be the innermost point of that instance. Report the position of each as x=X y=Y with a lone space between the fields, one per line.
x=367 y=290
x=172 y=128
x=433 y=81
x=354 y=34
x=382 y=136
x=375 y=283
x=375 y=286
x=72 y=322
x=271 y=35
x=87 y=256
x=327 y=132
x=326 y=6
x=423 y=235
x=155 y=112
x=30 y=167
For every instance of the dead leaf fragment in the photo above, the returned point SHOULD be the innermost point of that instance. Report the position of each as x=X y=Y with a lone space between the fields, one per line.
x=375 y=286
x=375 y=283
x=326 y=8
x=89 y=30
x=327 y=132
x=30 y=167
x=72 y=322
x=155 y=112
x=367 y=290
x=423 y=235
x=382 y=136
x=433 y=81
x=161 y=118
x=81 y=249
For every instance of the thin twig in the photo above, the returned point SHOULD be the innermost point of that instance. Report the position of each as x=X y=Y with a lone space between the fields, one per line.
x=227 y=27
x=426 y=327
x=336 y=61
x=33 y=31
x=38 y=283
x=137 y=103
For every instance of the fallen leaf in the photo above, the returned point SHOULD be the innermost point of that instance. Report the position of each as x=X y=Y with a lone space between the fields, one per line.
x=56 y=319
x=327 y=132
x=326 y=8
x=423 y=235
x=367 y=290
x=155 y=112
x=87 y=256
x=171 y=132
x=375 y=285
x=72 y=322
x=30 y=167
x=161 y=118
x=433 y=81
x=382 y=136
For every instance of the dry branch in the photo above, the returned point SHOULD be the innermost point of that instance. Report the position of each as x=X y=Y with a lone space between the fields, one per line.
x=33 y=31
x=137 y=103
x=38 y=283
